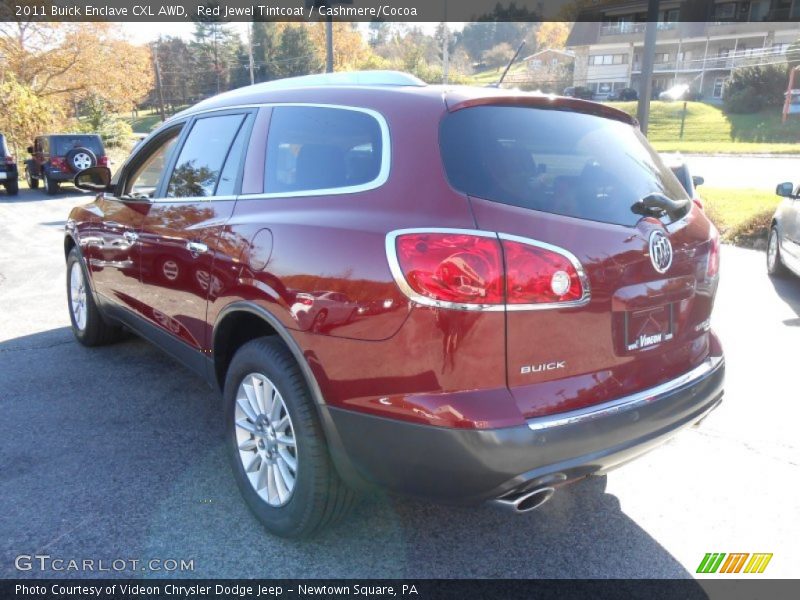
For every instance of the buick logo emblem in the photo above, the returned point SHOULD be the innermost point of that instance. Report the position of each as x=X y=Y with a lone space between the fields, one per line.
x=660 y=252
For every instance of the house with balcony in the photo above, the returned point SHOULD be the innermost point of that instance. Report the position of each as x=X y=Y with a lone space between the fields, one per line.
x=698 y=43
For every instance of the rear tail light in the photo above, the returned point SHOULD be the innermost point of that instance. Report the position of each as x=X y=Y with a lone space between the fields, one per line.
x=476 y=270
x=9 y=160
x=713 y=256
x=58 y=163
x=103 y=161
x=699 y=203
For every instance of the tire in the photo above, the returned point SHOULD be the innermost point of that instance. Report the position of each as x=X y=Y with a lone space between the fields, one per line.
x=50 y=186
x=318 y=497
x=79 y=159
x=12 y=187
x=88 y=325
x=775 y=266
x=33 y=182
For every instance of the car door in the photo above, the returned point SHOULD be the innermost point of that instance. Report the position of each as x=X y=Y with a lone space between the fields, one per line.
x=791 y=232
x=111 y=240
x=181 y=233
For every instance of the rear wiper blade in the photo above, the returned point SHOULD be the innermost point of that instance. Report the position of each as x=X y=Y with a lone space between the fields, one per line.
x=658 y=205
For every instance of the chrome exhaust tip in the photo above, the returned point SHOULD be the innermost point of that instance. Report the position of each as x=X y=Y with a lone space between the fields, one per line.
x=526 y=501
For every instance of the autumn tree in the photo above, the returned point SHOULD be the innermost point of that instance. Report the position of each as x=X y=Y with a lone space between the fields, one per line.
x=24 y=114
x=552 y=34
x=349 y=49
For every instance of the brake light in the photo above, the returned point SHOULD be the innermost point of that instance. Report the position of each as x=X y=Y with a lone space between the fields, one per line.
x=103 y=161
x=474 y=270
x=58 y=163
x=699 y=203
x=713 y=256
x=538 y=275
x=9 y=160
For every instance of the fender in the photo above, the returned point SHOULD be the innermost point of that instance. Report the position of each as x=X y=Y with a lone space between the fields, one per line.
x=341 y=460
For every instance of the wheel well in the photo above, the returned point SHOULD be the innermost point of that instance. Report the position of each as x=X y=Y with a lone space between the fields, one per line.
x=69 y=244
x=235 y=330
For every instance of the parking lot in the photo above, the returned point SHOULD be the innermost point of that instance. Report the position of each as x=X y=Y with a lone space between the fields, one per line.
x=117 y=453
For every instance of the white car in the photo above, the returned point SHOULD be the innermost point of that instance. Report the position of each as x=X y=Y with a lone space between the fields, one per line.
x=783 y=247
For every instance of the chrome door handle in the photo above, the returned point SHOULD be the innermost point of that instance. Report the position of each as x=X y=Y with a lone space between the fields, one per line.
x=131 y=236
x=196 y=248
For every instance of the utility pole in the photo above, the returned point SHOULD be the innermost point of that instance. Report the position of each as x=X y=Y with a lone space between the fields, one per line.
x=445 y=47
x=329 y=44
x=162 y=113
x=648 y=57
x=250 y=52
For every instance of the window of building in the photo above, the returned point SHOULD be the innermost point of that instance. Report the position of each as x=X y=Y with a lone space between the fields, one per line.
x=719 y=85
x=608 y=59
x=725 y=12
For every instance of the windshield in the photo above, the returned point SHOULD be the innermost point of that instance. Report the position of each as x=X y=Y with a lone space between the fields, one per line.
x=554 y=161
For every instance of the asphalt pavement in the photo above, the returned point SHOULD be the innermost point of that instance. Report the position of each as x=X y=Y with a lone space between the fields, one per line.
x=745 y=171
x=117 y=453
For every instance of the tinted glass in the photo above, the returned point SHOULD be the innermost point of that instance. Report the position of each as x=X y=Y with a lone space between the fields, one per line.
x=199 y=164
x=227 y=179
x=312 y=148
x=63 y=144
x=148 y=174
x=553 y=161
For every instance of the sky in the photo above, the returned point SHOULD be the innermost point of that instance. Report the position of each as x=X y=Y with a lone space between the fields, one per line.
x=142 y=33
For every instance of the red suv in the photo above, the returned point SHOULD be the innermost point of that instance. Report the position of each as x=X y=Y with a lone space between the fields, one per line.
x=464 y=294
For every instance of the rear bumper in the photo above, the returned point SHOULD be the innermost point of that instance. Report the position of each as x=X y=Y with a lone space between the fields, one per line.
x=59 y=175
x=469 y=466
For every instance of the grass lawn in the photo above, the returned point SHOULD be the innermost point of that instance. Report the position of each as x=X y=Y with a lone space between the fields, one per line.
x=742 y=216
x=492 y=75
x=708 y=130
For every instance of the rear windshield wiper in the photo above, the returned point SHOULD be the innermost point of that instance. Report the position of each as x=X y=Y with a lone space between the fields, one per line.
x=658 y=205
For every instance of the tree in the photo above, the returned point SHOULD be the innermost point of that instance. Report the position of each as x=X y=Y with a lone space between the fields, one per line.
x=349 y=49
x=215 y=47
x=24 y=114
x=297 y=54
x=751 y=89
x=552 y=34
x=499 y=55
x=266 y=44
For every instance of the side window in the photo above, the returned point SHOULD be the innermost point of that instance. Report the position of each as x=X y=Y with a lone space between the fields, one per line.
x=227 y=179
x=315 y=148
x=198 y=169
x=147 y=176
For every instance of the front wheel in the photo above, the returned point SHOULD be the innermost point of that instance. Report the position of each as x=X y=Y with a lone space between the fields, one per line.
x=775 y=265
x=88 y=325
x=276 y=444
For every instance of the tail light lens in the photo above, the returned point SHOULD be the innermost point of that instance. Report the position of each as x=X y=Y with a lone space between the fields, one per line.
x=713 y=256
x=699 y=203
x=58 y=163
x=9 y=160
x=537 y=275
x=103 y=161
x=478 y=270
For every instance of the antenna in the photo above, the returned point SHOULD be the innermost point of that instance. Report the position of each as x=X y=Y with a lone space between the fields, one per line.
x=508 y=66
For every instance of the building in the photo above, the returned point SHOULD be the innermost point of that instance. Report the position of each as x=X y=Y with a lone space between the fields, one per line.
x=700 y=49
x=549 y=60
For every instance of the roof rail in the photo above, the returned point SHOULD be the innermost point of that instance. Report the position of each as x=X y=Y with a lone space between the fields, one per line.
x=366 y=78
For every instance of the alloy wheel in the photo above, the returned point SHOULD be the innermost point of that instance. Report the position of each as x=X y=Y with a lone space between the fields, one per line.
x=265 y=439
x=82 y=161
x=772 y=249
x=77 y=296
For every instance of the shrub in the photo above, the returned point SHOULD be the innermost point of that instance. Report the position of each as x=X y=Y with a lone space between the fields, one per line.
x=754 y=88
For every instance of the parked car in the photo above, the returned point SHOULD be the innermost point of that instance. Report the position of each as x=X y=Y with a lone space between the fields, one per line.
x=57 y=158
x=680 y=168
x=9 y=177
x=525 y=288
x=680 y=91
x=783 y=245
x=578 y=92
x=623 y=95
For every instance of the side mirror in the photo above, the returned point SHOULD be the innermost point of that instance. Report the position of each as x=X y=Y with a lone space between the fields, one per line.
x=697 y=180
x=30 y=149
x=785 y=189
x=94 y=179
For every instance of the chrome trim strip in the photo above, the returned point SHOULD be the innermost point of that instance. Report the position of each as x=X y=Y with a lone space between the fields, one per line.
x=582 y=301
x=397 y=272
x=626 y=403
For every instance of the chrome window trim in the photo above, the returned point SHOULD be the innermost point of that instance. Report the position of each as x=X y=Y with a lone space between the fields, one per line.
x=386 y=150
x=181 y=199
x=397 y=272
x=631 y=402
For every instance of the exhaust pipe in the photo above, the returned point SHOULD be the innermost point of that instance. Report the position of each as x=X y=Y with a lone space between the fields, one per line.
x=526 y=501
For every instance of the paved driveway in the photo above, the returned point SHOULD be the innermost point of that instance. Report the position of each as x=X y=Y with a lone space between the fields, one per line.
x=116 y=453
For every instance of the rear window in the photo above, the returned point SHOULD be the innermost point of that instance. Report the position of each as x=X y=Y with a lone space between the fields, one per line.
x=320 y=148
x=553 y=161
x=63 y=144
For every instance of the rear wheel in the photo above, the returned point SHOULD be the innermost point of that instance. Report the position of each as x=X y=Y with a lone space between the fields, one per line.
x=276 y=444
x=50 y=185
x=88 y=325
x=12 y=187
x=33 y=182
x=775 y=265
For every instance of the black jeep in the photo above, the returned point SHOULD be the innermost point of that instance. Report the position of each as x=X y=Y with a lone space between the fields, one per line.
x=56 y=158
